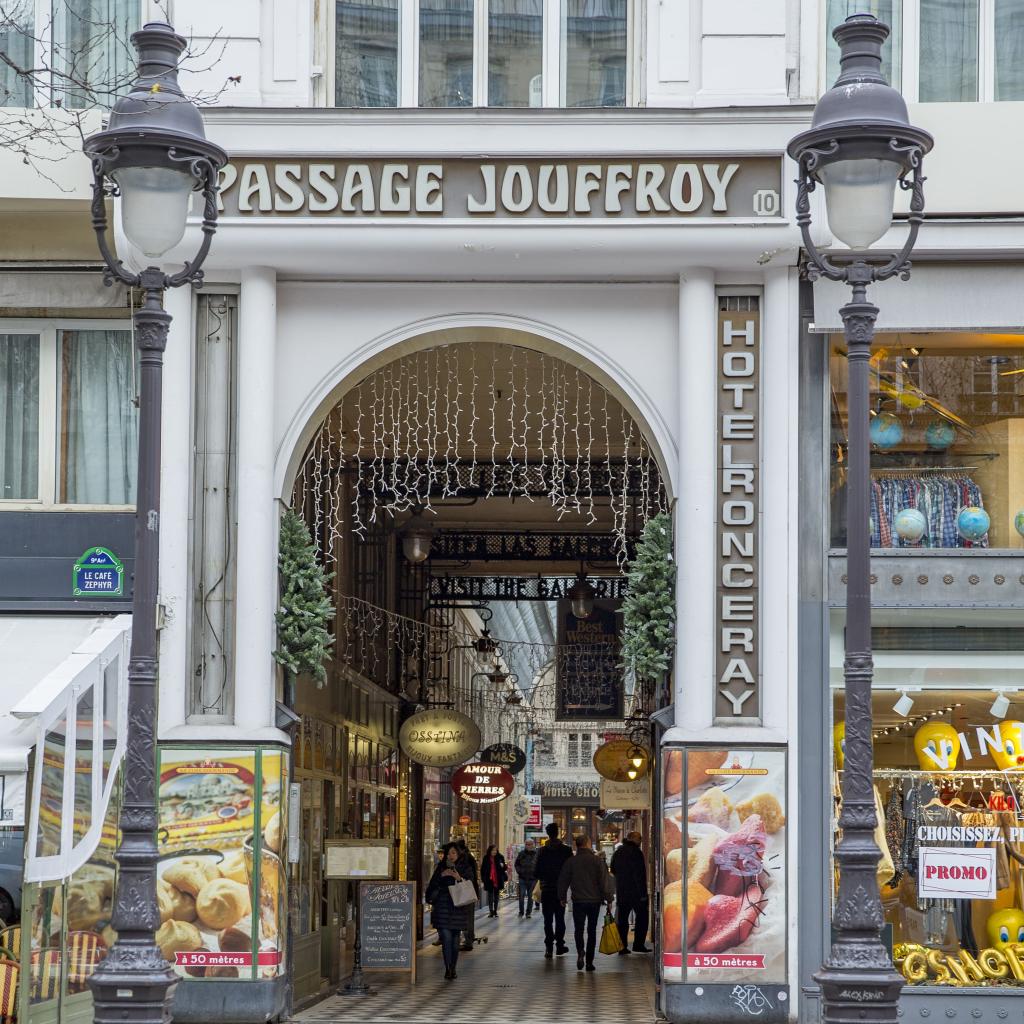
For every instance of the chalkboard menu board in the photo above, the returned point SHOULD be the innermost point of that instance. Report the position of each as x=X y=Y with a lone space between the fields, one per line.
x=589 y=677
x=387 y=929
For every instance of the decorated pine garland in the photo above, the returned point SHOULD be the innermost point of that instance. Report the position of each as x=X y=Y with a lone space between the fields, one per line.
x=649 y=607
x=305 y=609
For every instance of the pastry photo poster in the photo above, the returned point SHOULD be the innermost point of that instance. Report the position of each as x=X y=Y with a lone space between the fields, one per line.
x=220 y=877
x=724 y=868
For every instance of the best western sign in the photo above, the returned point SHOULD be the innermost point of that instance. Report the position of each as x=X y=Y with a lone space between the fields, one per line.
x=715 y=187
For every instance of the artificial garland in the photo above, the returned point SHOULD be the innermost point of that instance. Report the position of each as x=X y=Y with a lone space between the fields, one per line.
x=649 y=607
x=305 y=608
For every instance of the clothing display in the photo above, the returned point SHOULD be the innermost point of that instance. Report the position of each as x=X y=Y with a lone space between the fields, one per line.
x=939 y=497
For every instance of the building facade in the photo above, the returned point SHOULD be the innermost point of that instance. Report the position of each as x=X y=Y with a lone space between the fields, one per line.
x=547 y=251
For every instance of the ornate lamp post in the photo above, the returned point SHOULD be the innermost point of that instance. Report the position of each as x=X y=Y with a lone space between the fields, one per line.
x=154 y=154
x=859 y=147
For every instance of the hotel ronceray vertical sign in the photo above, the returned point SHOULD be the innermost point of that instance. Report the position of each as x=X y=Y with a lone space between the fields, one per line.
x=647 y=188
x=737 y=666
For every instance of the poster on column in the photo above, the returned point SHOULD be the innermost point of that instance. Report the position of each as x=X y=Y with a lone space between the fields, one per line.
x=724 y=865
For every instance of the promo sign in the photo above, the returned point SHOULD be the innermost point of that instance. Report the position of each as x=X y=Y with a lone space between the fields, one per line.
x=737 y=614
x=439 y=738
x=479 y=783
x=949 y=873
x=98 y=573
x=508 y=755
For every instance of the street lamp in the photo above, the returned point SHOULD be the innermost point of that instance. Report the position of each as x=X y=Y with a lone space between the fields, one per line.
x=859 y=147
x=154 y=155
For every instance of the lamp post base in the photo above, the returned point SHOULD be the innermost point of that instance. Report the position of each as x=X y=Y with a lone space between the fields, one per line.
x=135 y=985
x=355 y=986
x=859 y=995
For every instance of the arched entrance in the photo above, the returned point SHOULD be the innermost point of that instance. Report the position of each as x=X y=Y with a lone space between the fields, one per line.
x=476 y=493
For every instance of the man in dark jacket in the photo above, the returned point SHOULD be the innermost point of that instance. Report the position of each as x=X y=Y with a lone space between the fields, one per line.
x=469 y=936
x=526 y=875
x=549 y=867
x=629 y=866
x=586 y=875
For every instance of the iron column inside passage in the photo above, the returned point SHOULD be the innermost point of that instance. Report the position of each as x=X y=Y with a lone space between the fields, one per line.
x=154 y=155
x=859 y=147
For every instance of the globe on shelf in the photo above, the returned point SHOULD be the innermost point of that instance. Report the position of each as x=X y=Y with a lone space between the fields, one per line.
x=940 y=435
x=973 y=523
x=1018 y=522
x=910 y=525
x=886 y=430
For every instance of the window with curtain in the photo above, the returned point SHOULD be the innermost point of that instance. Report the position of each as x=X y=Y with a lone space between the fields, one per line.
x=948 y=47
x=98 y=432
x=594 y=53
x=446 y=53
x=1009 y=50
x=515 y=32
x=93 y=58
x=19 y=416
x=889 y=11
x=574 y=750
x=17 y=24
x=366 y=53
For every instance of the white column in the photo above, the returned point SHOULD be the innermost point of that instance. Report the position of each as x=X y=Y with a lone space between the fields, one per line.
x=256 y=572
x=695 y=505
x=175 y=467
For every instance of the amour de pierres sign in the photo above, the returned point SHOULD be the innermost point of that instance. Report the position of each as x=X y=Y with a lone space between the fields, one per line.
x=644 y=188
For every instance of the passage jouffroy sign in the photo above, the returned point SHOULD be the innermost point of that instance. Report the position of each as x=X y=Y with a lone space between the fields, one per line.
x=643 y=187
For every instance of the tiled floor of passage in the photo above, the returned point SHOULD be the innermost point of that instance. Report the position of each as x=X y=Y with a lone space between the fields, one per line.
x=503 y=981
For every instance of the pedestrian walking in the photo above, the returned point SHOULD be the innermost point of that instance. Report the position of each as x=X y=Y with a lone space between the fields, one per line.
x=629 y=866
x=469 y=938
x=526 y=876
x=586 y=876
x=445 y=916
x=494 y=874
x=549 y=867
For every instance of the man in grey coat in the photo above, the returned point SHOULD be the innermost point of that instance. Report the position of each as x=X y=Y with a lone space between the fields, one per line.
x=586 y=876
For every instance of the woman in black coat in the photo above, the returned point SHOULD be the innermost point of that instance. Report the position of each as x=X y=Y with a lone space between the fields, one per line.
x=448 y=919
x=494 y=874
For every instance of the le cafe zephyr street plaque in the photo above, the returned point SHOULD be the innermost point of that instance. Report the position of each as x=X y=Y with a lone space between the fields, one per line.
x=480 y=783
x=439 y=738
x=98 y=573
x=642 y=188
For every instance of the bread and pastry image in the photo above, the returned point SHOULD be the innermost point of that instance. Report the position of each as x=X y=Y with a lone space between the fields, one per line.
x=699 y=761
x=222 y=903
x=768 y=807
x=233 y=867
x=177 y=937
x=197 y=970
x=712 y=808
x=674 y=865
x=272 y=832
x=174 y=904
x=671 y=834
x=222 y=971
x=700 y=861
x=237 y=939
x=672 y=917
x=85 y=906
x=674 y=773
x=97 y=875
x=190 y=874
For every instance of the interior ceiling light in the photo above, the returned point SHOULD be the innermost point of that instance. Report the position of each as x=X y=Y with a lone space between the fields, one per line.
x=417 y=536
x=1000 y=705
x=903 y=705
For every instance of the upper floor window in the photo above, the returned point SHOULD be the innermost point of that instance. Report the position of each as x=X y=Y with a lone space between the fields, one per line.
x=479 y=53
x=944 y=51
x=70 y=53
x=68 y=418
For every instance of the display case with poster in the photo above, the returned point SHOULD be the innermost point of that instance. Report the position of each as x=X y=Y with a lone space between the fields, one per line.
x=220 y=879
x=724 y=879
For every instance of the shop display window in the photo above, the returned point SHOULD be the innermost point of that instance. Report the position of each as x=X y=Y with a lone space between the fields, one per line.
x=947 y=441
x=948 y=740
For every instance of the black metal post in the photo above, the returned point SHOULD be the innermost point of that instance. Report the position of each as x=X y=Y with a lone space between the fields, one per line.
x=356 y=985
x=134 y=983
x=858 y=981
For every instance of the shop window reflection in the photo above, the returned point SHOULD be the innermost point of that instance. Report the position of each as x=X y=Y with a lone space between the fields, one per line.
x=947 y=436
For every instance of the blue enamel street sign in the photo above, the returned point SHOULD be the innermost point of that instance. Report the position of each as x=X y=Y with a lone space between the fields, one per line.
x=98 y=573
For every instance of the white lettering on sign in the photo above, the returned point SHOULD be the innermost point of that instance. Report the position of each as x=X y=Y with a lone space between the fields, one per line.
x=736 y=657
x=960 y=874
x=741 y=187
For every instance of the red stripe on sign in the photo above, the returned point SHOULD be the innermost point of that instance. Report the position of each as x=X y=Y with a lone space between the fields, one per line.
x=673 y=959
x=726 y=961
x=268 y=958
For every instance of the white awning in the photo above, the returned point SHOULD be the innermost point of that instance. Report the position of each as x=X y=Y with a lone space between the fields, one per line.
x=32 y=289
x=972 y=297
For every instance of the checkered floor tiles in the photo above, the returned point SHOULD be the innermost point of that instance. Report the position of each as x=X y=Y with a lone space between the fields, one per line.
x=503 y=981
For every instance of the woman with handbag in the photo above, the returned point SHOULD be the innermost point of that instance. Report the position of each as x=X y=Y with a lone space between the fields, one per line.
x=494 y=872
x=452 y=898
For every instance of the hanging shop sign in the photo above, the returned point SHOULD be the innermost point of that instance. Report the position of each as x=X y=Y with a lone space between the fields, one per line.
x=480 y=783
x=589 y=680
x=737 y=551
x=567 y=790
x=956 y=874
x=521 y=808
x=508 y=755
x=614 y=760
x=439 y=738
x=536 y=816
x=466 y=546
x=626 y=796
x=520 y=588
x=98 y=573
x=651 y=188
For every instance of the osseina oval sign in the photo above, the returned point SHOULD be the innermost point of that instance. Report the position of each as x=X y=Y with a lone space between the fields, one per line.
x=439 y=738
x=480 y=783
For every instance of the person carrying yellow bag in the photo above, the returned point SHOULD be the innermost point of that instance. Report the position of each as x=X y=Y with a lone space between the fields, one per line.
x=611 y=940
x=586 y=875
